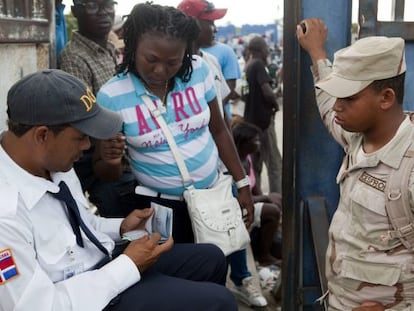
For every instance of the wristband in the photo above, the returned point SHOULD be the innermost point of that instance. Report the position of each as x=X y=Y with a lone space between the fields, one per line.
x=243 y=182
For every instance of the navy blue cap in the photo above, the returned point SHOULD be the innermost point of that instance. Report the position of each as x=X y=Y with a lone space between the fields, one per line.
x=54 y=97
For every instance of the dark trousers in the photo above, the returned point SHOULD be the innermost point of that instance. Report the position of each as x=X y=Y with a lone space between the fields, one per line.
x=269 y=154
x=183 y=233
x=188 y=277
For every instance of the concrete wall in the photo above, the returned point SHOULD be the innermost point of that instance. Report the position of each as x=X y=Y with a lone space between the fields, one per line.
x=16 y=61
x=27 y=37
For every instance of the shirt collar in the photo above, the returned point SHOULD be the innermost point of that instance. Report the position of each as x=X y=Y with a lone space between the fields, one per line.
x=76 y=36
x=30 y=187
x=140 y=86
x=399 y=145
x=393 y=152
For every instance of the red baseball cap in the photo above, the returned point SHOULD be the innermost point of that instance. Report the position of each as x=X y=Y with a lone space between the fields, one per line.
x=201 y=9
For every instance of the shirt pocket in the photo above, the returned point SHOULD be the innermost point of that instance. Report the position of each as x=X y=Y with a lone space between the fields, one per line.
x=54 y=244
x=368 y=204
x=386 y=274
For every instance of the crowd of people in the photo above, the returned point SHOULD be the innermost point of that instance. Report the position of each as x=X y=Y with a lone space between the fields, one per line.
x=83 y=134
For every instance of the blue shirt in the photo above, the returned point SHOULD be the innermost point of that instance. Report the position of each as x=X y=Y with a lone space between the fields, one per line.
x=227 y=59
x=60 y=30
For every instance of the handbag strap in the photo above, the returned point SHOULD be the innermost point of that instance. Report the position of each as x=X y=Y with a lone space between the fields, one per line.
x=156 y=113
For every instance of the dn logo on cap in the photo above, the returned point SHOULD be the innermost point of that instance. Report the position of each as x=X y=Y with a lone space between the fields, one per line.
x=89 y=99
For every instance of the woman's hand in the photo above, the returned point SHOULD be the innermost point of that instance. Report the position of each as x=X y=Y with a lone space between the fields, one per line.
x=107 y=158
x=112 y=150
x=246 y=204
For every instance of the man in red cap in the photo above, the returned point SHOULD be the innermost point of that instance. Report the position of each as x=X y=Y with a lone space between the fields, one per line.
x=206 y=13
x=201 y=9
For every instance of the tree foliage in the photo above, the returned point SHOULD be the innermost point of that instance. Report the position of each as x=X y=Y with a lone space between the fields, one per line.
x=71 y=24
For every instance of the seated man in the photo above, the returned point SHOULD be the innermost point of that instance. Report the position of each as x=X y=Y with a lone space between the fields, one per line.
x=54 y=255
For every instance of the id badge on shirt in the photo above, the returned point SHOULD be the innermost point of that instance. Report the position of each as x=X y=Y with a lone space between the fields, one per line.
x=72 y=270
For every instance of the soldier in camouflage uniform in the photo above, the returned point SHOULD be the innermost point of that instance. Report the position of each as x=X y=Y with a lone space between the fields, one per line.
x=360 y=101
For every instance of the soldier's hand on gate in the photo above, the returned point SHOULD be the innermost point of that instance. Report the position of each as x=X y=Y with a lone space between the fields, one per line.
x=312 y=34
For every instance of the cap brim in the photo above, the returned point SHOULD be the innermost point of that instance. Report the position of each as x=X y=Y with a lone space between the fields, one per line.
x=339 y=87
x=102 y=125
x=213 y=15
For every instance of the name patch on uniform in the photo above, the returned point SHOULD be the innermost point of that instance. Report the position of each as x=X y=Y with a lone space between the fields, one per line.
x=8 y=268
x=373 y=182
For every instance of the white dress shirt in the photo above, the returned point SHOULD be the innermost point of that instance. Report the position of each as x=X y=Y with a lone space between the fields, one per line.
x=53 y=272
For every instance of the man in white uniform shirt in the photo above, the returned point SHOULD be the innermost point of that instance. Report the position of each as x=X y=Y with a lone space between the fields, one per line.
x=54 y=255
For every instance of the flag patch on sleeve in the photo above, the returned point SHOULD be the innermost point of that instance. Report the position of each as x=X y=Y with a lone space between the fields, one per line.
x=8 y=268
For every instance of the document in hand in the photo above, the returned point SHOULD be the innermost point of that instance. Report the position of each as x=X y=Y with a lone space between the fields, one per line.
x=160 y=221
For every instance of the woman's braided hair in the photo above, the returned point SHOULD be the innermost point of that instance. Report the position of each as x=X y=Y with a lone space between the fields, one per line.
x=159 y=20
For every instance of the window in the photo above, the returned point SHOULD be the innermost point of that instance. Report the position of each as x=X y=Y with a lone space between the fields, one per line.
x=25 y=20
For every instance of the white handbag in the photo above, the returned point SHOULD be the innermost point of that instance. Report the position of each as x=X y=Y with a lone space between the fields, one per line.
x=215 y=213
